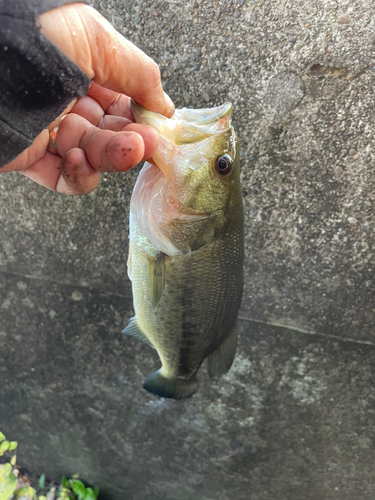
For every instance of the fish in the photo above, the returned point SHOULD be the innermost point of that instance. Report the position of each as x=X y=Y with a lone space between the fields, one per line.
x=186 y=247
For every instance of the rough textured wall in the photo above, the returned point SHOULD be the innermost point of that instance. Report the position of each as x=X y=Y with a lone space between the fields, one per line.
x=294 y=418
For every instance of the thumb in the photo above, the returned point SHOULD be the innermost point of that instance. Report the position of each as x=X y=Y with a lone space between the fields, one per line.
x=105 y=55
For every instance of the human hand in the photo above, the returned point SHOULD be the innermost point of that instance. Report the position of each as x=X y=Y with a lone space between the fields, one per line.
x=97 y=133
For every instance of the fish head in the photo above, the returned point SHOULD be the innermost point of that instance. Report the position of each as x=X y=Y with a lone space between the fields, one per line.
x=197 y=163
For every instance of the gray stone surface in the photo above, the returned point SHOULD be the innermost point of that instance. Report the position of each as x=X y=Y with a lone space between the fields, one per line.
x=294 y=418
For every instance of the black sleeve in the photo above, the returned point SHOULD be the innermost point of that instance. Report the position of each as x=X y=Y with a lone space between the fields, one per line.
x=37 y=81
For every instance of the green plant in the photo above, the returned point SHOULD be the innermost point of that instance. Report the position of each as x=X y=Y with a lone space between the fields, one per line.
x=79 y=488
x=14 y=487
x=8 y=475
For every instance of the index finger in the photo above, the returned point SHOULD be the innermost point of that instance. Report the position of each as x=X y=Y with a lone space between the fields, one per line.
x=106 y=56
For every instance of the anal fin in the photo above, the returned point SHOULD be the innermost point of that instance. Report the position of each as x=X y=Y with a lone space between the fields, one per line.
x=134 y=331
x=220 y=361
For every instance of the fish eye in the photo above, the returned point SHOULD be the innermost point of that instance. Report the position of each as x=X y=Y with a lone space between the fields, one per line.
x=223 y=164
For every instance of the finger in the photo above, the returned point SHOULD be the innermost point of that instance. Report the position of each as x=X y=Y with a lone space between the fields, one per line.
x=113 y=103
x=105 y=55
x=45 y=171
x=77 y=176
x=115 y=123
x=106 y=150
x=70 y=175
x=109 y=151
x=90 y=109
x=95 y=112
x=37 y=150
x=149 y=135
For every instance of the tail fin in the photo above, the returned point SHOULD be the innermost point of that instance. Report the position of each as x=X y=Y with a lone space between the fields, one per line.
x=170 y=388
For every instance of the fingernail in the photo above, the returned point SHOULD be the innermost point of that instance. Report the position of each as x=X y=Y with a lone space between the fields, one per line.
x=169 y=103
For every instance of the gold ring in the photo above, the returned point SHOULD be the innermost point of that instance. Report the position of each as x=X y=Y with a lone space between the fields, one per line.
x=52 y=146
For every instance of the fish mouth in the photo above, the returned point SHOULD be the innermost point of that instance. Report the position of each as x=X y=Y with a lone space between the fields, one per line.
x=187 y=127
x=208 y=119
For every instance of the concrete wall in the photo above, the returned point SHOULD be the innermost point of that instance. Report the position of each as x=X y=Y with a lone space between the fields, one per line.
x=294 y=418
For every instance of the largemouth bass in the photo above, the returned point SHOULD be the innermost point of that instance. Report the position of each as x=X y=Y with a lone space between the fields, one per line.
x=187 y=246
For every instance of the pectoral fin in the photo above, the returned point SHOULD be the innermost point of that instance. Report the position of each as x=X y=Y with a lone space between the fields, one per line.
x=134 y=331
x=190 y=233
x=195 y=235
x=220 y=361
x=156 y=277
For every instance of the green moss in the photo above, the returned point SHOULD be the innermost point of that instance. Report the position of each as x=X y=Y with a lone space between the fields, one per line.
x=12 y=486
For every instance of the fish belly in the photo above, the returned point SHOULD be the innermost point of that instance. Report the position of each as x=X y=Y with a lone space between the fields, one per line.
x=199 y=304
